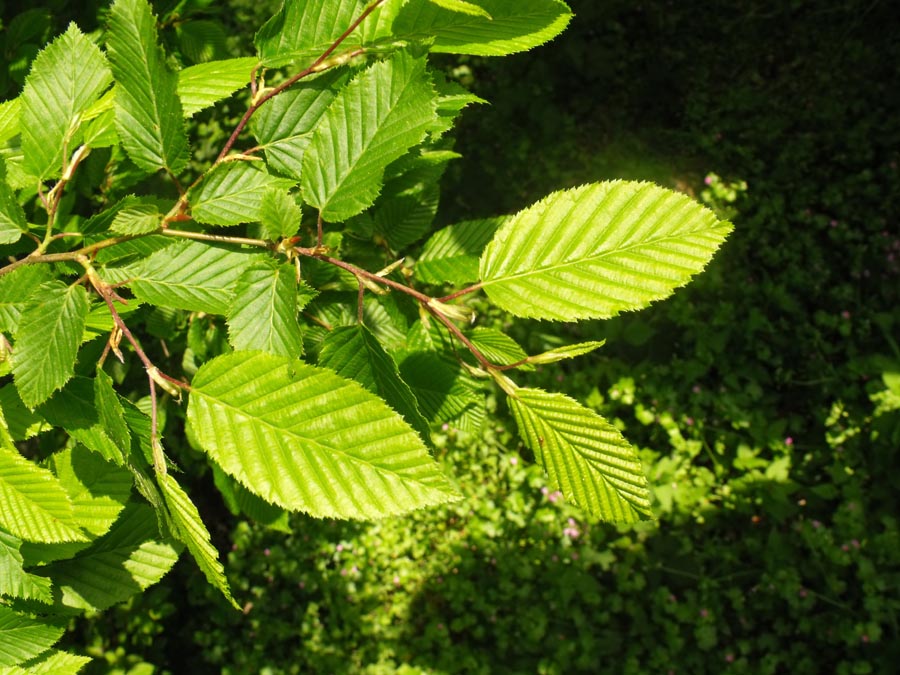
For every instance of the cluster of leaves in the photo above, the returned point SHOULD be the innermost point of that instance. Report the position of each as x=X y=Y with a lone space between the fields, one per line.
x=766 y=409
x=270 y=290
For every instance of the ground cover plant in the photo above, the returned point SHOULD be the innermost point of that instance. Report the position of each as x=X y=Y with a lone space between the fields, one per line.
x=259 y=310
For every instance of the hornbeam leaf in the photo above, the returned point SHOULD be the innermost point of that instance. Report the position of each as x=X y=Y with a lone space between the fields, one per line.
x=232 y=194
x=189 y=528
x=191 y=275
x=353 y=352
x=583 y=454
x=22 y=637
x=597 y=250
x=263 y=315
x=283 y=126
x=306 y=439
x=513 y=26
x=304 y=30
x=65 y=79
x=498 y=347
x=126 y=560
x=566 y=352
x=15 y=289
x=463 y=7
x=12 y=216
x=203 y=85
x=451 y=254
x=34 y=505
x=382 y=113
x=9 y=119
x=137 y=219
x=98 y=489
x=149 y=117
x=279 y=215
x=54 y=662
x=15 y=582
x=47 y=340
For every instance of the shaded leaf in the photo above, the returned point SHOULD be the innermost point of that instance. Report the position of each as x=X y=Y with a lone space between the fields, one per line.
x=597 y=250
x=15 y=289
x=279 y=214
x=584 y=456
x=137 y=219
x=15 y=582
x=353 y=352
x=12 y=216
x=306 y=439
x=128 y=559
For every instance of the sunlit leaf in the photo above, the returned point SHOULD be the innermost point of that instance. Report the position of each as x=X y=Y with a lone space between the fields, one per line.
x=597 y=250
x=584 y=455
x=306 y=439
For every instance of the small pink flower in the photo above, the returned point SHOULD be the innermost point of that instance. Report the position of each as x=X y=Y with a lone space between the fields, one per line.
x=855 y=543
x=689 y=421
x=554 y=496
x=708 y=180
x=803 y=593
x=445 y=426
x=396 y=580
x=704 y=613
x=845 y=314
x=301 y=584
x=339 y=548
x=696 y=389
x=816 y=524
x=513 y=460
x=729 y=657
x=267 y=552
x=845 y=548
x=865 y=638
x=545 y=490
x=833 y=223
x=788 y=441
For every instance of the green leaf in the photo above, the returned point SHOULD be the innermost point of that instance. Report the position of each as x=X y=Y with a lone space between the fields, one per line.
x=66 y=78
x=232 y=194
x=55 y=662
x=406 y=207
x=513 y=26
x=279 y=214
x=128 y=559
x=101 y=131
x=263 y=315
x=110 y=411
x=15 y=289
x=353 y=352
x=191 y=275
x=283 y=126
x=304 y=30
x=47 y=340
x=597 y=250
x=451 y=254
x=22 y=637
x=149 y=117
x=382 y=113
x=15 y=582
x=498 y=347
x=12 y=216
x=21 y=422
x=306 y=439
x=463 y=7
x=567 y=352
x=87 y=415
x=34 y=506
x=202 y=85
x=201 y=40
x=97 y=489
x=583 y=454
x=9 y=119
x=189 y=528
x=137 y=219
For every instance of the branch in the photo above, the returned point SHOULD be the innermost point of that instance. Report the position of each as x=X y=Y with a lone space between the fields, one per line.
x=317 y=66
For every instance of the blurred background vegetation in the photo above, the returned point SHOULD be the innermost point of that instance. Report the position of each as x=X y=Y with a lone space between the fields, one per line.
x=765 y=396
